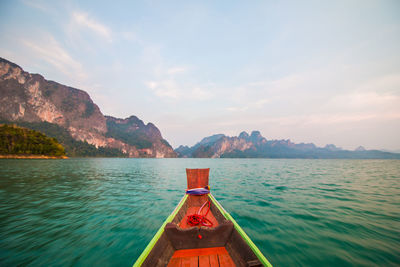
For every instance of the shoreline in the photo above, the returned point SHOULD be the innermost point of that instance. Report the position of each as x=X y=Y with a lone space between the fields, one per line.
x=31 y=157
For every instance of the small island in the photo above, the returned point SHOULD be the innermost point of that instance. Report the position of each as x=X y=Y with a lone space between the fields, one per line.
x=18 y=142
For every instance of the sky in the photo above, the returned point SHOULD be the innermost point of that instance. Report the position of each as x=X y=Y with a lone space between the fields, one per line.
x=326 y=72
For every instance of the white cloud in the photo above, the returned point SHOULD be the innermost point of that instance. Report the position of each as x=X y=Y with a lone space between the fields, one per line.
x=329 y=119
x=151 y=85
x=332 y=119
x=49 y=50
x=176 y=70
x=292 y=87
x=237 y=109
x=38 y=5
x=82 y=20
x=385 y=83
x=378 y=94
x=132 y=37
x=199 y=93
x=166 y=88
x=170 y=89
x=368 y=100
x=258 y=104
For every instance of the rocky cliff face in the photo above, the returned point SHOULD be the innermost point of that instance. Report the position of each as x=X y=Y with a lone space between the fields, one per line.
x=31 y=98
x=217 y=145
x=256 y=146
x=245 y=145
x=145 y=138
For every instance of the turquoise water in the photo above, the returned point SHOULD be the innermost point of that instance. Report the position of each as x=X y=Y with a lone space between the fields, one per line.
x=85 y=212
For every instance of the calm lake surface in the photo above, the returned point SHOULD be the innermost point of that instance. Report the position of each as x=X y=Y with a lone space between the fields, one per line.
x=85 y=212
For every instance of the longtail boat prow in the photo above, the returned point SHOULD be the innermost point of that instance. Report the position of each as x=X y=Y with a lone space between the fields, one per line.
x=199 y=232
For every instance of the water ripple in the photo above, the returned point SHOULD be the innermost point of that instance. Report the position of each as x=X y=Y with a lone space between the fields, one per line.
x=105 y=211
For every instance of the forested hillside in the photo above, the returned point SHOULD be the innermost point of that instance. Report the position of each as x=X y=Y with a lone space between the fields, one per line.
x=73 y=148
x=15 y=140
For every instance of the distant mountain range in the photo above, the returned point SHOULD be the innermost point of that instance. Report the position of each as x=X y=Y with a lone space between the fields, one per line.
x=70 y=115
x=256 y=146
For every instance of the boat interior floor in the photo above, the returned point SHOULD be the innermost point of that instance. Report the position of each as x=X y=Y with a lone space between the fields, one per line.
x=182 y=244
x=201 y=257
x=195 y=204
x=216 y=256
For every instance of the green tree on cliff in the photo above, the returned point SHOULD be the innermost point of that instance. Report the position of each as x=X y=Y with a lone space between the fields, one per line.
x=21 y=141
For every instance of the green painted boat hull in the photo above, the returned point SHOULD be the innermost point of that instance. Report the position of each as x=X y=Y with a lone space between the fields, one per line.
x=142 y=258
x=242 y=233
x=154 y=240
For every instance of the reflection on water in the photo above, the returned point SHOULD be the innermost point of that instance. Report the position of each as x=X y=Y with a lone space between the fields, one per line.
x=105 y=211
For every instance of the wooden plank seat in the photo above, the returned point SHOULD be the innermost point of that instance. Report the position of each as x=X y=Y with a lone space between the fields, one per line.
x=202 y=257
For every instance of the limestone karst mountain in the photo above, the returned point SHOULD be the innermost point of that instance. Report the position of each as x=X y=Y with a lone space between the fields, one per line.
x=254 y=145
x=34 y=102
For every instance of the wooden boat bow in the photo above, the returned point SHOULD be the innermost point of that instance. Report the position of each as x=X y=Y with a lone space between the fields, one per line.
x=177 y=243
